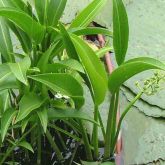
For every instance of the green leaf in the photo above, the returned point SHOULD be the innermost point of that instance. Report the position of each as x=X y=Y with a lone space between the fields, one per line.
x=93 y=67
x=7 y=79
x=131 y=68
x=6 y=120
x=26 y=145
x=46 y=55
x=43 y=116
x=88 y=14
x=64 y=84
x=19 y=69
x=120 y=31
x=68 y=43
x=27 y=23
x=97 y=163
x=101 y=52
x=5 y=98
x=65 y=64
x=41 y=8
x=91 y=31
x=5 y=41
x=68 y=113
x=55 y=11
x=28 y=103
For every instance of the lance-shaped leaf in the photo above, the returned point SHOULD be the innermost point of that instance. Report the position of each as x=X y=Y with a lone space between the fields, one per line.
x=62 y=83
x=41 y=8
x=131 y=68
x=29 y=103
x=27 y=23
x=68 y=113
x=88 y=14
x=26 y=145
x=19 y=69
x=55 y=11
x=120 y=31
x=6 y=121
x=93 y=67
x=5 y=98
x=43 y=116
x=91 y=31
x=5 y=41
x=7 y=78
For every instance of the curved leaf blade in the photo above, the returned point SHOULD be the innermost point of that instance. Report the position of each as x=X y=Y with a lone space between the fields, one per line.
x=91 y=31
x=62 y=83
x=19 y=69
x=69 y=113
x=93 y=67
x=27 y=24
x=55 y=11
x=120 y=31
x=26 y=145
x=28 y=103
x=131 y=68
x=43 y=116
x=7 y=79
x=88 y=14
x=7 y=118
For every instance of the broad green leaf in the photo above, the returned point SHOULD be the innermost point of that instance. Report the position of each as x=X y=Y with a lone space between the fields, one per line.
x=91 y=31
x=101 y=52
x=6 y=120
x=68 y=113
x=24 y=124
x=120 y=31
x=5 y=41
x=55 y=11
x=27 y=23
x=93 y=67
x=41 y=8
x=58 y=67
x=131 y=68
x=29 y=103
x=26 y=145
x=88 y=14
x=7 y=78
x=43 y=116
x=62 y=83
x=19 y=69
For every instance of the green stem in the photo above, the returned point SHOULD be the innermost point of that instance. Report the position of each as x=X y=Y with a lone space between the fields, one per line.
x=109 y=128
x=102 y=126
x=39 y=150
x=113 y=132
x=95 y=133
x=122 y=117
x=12 y=148
x=54 y=146
x=86 y=142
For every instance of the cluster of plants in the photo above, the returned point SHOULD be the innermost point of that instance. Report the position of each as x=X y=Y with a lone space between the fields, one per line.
x=41 y=85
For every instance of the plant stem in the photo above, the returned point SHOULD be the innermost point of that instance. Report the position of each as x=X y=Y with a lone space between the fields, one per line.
x=95 y=133
x=39 y=150
x=109 y=129
x=86 y=142
x=102 y=126
x=54 y=146
x=123 y=115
